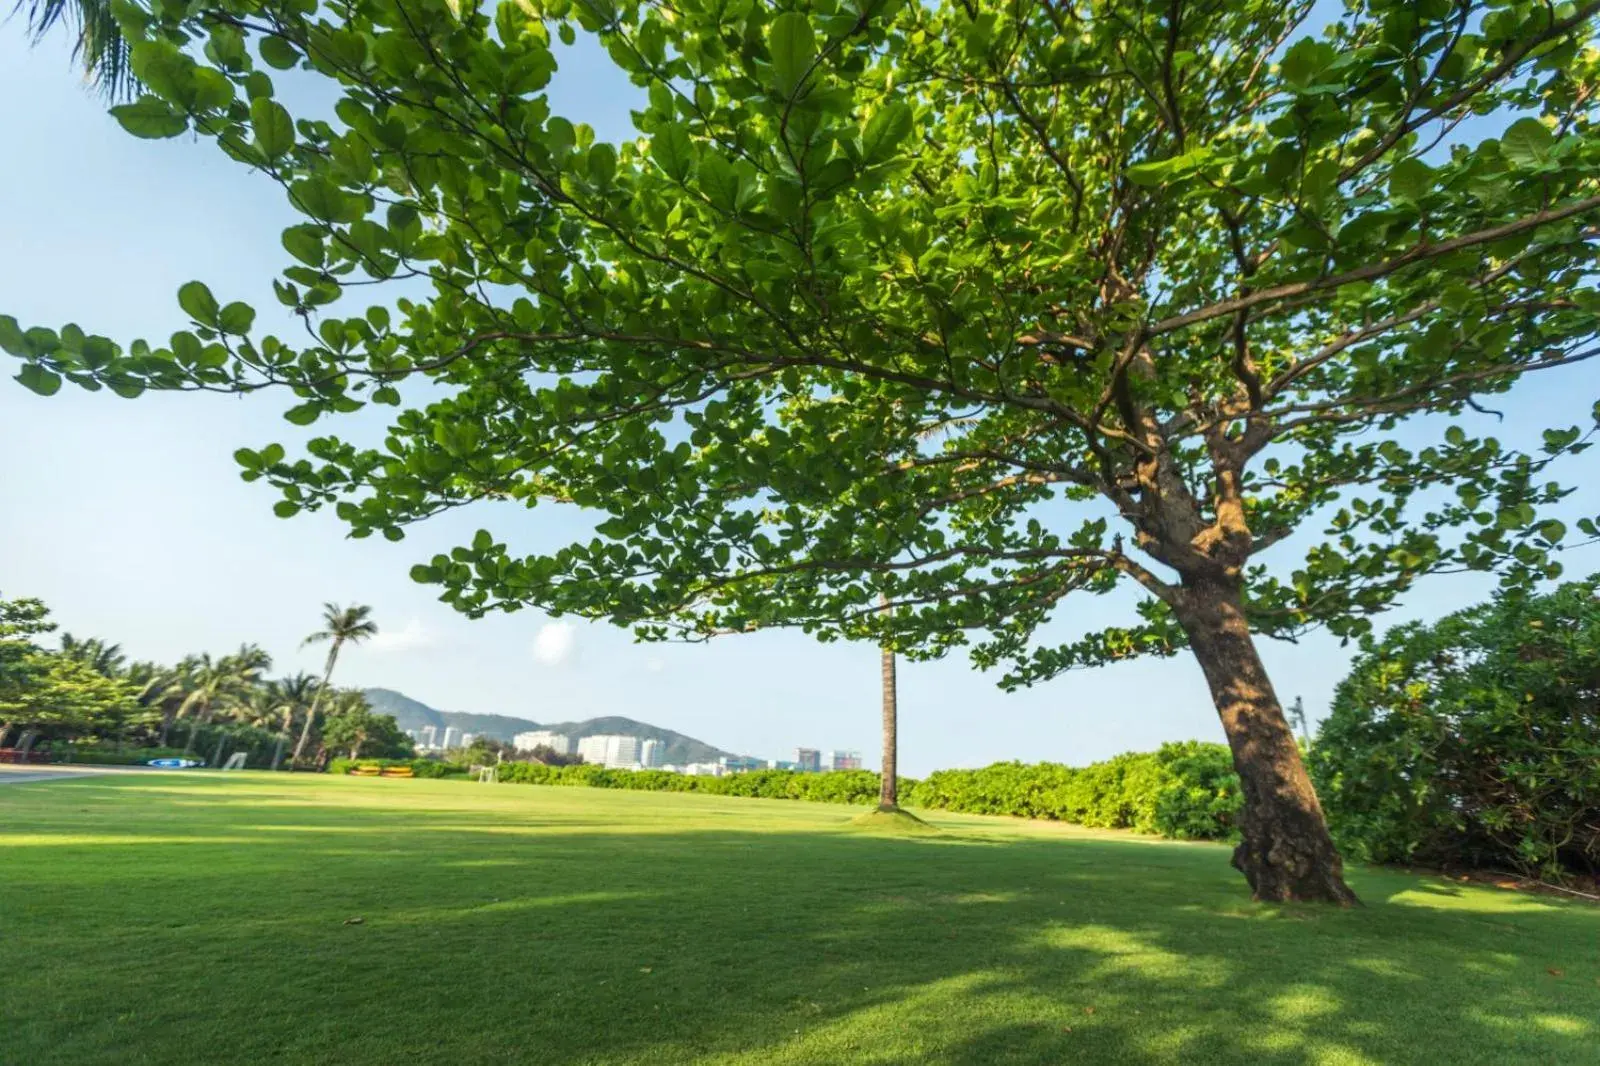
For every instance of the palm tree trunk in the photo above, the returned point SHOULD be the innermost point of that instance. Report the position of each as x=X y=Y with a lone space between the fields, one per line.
x=5 y=731
x=216 y=756
x=316 y=700
x=283 y=736
x=167 y=718
x=889 y=791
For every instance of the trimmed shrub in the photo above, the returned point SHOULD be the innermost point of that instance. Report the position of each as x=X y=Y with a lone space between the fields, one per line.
x=419 y=767
x=1474 y=741
x=1187 y=791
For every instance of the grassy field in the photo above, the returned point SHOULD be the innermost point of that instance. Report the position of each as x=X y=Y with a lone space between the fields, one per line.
x=172 y=919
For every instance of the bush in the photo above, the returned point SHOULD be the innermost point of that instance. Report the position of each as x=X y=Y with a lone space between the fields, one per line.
x=1474 y=741
x=419 y=767
x=1188 y=791
x=92 y=755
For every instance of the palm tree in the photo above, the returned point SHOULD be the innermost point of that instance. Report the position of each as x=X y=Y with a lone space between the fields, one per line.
x=291 y=696
x=227 y=679
x=351 y=624
x=104 y=659
x=100 y=46
x=889 y=789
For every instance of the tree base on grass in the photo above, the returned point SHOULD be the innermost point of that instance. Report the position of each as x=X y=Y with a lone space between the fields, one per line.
x=893 y=821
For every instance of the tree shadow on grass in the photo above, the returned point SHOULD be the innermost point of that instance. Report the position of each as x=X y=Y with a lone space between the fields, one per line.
x=525 y=935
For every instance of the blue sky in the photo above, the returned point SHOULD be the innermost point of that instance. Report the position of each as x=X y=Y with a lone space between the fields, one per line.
x=130 y=520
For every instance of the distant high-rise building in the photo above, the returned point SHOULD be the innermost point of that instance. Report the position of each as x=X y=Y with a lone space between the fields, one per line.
x=467 y=739
x=559 y=743
x=609 y=749
x=738 y=764
x=430 y=736
x=809 y=760
x=844 y=760
x=652 y=753
x=451 y=733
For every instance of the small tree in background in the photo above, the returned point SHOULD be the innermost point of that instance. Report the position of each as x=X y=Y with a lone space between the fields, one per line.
x=1170 y=272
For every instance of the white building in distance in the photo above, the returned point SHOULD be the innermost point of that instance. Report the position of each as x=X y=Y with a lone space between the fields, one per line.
x=651 y=754
x=609 y=749
x=559 y=743
x=703 y=769
x=452 y=736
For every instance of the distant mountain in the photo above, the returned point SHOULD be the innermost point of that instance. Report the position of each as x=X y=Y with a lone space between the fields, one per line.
x=413 y=714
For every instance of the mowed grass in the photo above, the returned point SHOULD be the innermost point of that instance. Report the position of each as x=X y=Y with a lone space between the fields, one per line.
x=202 y=919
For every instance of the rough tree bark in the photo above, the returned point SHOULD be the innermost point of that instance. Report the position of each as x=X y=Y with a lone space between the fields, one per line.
x=1286 y=852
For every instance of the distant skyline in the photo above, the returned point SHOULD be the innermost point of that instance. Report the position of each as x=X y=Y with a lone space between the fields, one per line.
x=130 y=520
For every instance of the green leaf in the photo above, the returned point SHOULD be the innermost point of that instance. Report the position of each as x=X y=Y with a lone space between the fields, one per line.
x=236 y=318
x=37 y=378
x=1527 y=143
x=279 y=53
x=305 y=244
x=286 y=508
x=303 y=414
x=1410 y=180
x=602 y=164
x=322 y=199
x=672 y=152
x=150 y=117
x=12 y=339
x=197 y=300
x=273 y=127
x=1161 y=171
x=792 y=46
x=884 y=132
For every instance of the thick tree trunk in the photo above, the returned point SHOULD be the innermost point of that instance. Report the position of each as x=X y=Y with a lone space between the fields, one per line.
x=216 y=756
x=166 y=727
x=1286 y=852
x=5 y=731
x=277 y=749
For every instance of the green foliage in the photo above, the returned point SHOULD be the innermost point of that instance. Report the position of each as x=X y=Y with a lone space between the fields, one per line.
x=101 y=755
x=431 y=768
x=1184 y=268
x=56 y=693
x=1187 y=791
x=836 y=786
x=1474 y=741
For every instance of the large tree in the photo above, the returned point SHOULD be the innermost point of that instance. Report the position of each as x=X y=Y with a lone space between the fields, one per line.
x=1169 y=272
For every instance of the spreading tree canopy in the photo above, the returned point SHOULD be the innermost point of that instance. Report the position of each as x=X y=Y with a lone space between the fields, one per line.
x=965 y=304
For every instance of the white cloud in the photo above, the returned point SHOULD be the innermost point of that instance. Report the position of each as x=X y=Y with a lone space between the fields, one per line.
x=555 y=645
x=410 y=637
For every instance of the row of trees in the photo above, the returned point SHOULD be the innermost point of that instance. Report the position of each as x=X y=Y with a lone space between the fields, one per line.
x=86 y=689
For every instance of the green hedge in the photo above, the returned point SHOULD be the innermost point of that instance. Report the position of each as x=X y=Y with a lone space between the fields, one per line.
x=419 y=767
x=89 y=755
x=838 y=786
x=1185 y=791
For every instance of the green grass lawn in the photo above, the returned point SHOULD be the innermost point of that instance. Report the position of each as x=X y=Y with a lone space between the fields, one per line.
x=202 y=919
